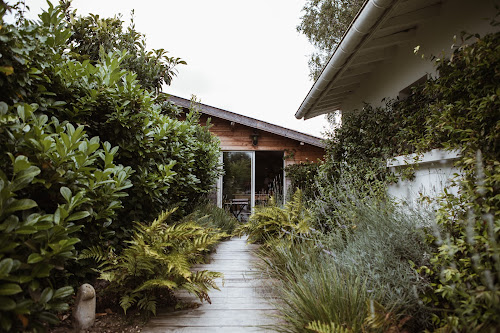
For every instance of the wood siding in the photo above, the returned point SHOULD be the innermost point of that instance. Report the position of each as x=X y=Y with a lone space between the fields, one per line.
x=239 y=137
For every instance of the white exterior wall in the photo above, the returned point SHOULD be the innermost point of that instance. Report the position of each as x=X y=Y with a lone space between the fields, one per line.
x=435 y=37
x=433 y=172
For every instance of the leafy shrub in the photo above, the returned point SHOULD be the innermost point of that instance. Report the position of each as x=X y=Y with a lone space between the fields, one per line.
x=465 y=270
x=68 y=183
x=271 y=222
x=159 y=256
x=311 y=288
x=210 y=216
x=385 y=245
x=33 y=244
x=86 y=131
x=460 y=111
x=371 y=256
x=92 y=33
x=303 y=176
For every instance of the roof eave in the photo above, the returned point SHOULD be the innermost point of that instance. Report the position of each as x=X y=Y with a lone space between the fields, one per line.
x=370 y=15
x=252 y=122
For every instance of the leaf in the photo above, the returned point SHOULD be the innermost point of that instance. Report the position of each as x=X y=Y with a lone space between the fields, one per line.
x=34 y=258
x=8 y=289
x=63 y=292
x=78 y=215
x=7 y=304
x=6 y=266
x=46 y=295
x=7 y=70
x=21 y=204
x=48 y=317
x=66 y=193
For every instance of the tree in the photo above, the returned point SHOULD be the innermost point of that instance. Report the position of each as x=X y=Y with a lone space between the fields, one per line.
x=324 y=23
x=93 y=35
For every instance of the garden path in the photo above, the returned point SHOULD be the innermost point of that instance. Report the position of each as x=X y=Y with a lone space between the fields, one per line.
x=240 y=306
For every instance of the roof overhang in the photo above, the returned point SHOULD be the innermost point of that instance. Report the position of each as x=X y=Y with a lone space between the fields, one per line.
x=379 y=27
x=250 y=122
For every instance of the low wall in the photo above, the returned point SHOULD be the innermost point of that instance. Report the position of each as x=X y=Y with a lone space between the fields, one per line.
x=433 y=172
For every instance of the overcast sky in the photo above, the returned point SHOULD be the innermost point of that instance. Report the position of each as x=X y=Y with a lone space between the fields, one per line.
x=242 y=56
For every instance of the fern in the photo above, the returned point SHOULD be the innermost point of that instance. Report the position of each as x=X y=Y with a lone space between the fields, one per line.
x=272 y=222
x=95 y=252
x=319 y=327
x=159 y=256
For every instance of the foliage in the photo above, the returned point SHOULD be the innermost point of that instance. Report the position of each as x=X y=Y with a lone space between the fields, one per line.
x=460 y=111
x=92 y=35
x=464 y=115
x=302 y=175
x=86 y=131
x=324 y=23
x=319 y=327
x=373 y=252
x=271 y=222
x=209 y=215
x=309 y=287
x=159 y=256
x=110 y=103
x=69 y=181
x=34 y=244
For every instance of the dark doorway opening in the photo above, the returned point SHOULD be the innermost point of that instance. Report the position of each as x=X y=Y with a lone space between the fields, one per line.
x=268 y=176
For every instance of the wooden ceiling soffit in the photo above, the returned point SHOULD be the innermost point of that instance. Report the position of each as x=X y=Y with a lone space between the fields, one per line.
x=350 y=72
x=333 y=101
x=319 y=112
x=391 y=40
x=409 y=6
x=369 y=57
x=410 y=18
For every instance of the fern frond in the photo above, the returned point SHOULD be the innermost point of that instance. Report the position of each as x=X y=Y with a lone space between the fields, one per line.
x=319 y=327
x=156 y=283
x=95 y=252
x=126 y=301
x=148 y=304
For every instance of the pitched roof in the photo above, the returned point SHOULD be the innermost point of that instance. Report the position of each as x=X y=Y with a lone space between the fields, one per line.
x=379 y=27
x=250 y=122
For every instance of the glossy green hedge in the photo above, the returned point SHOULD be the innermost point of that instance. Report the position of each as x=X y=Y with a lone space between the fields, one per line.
x=84 y=150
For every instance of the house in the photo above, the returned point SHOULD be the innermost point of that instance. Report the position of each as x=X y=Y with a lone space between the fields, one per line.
x=254 y=154
x=375 y=60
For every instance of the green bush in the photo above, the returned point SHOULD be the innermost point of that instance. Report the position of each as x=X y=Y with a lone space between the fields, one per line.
x=465 y=270
x=65 y=188
x=100 y=150
x=210 y=216
x=459 y=110
x=310 y=287
x=366 y=261
x=271 y=222
x=159 y=256
x=34 y=246
x=303 y=176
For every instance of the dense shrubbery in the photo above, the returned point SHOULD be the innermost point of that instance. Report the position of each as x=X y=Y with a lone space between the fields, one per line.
x=303 y=176
x=458 y=270
x=271 y=222
x=337 y=277
x=464 y=115
x=210 y=216
x=85 y=150
x=159 y=256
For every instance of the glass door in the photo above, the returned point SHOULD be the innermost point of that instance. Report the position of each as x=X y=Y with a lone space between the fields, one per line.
x=237 y=183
